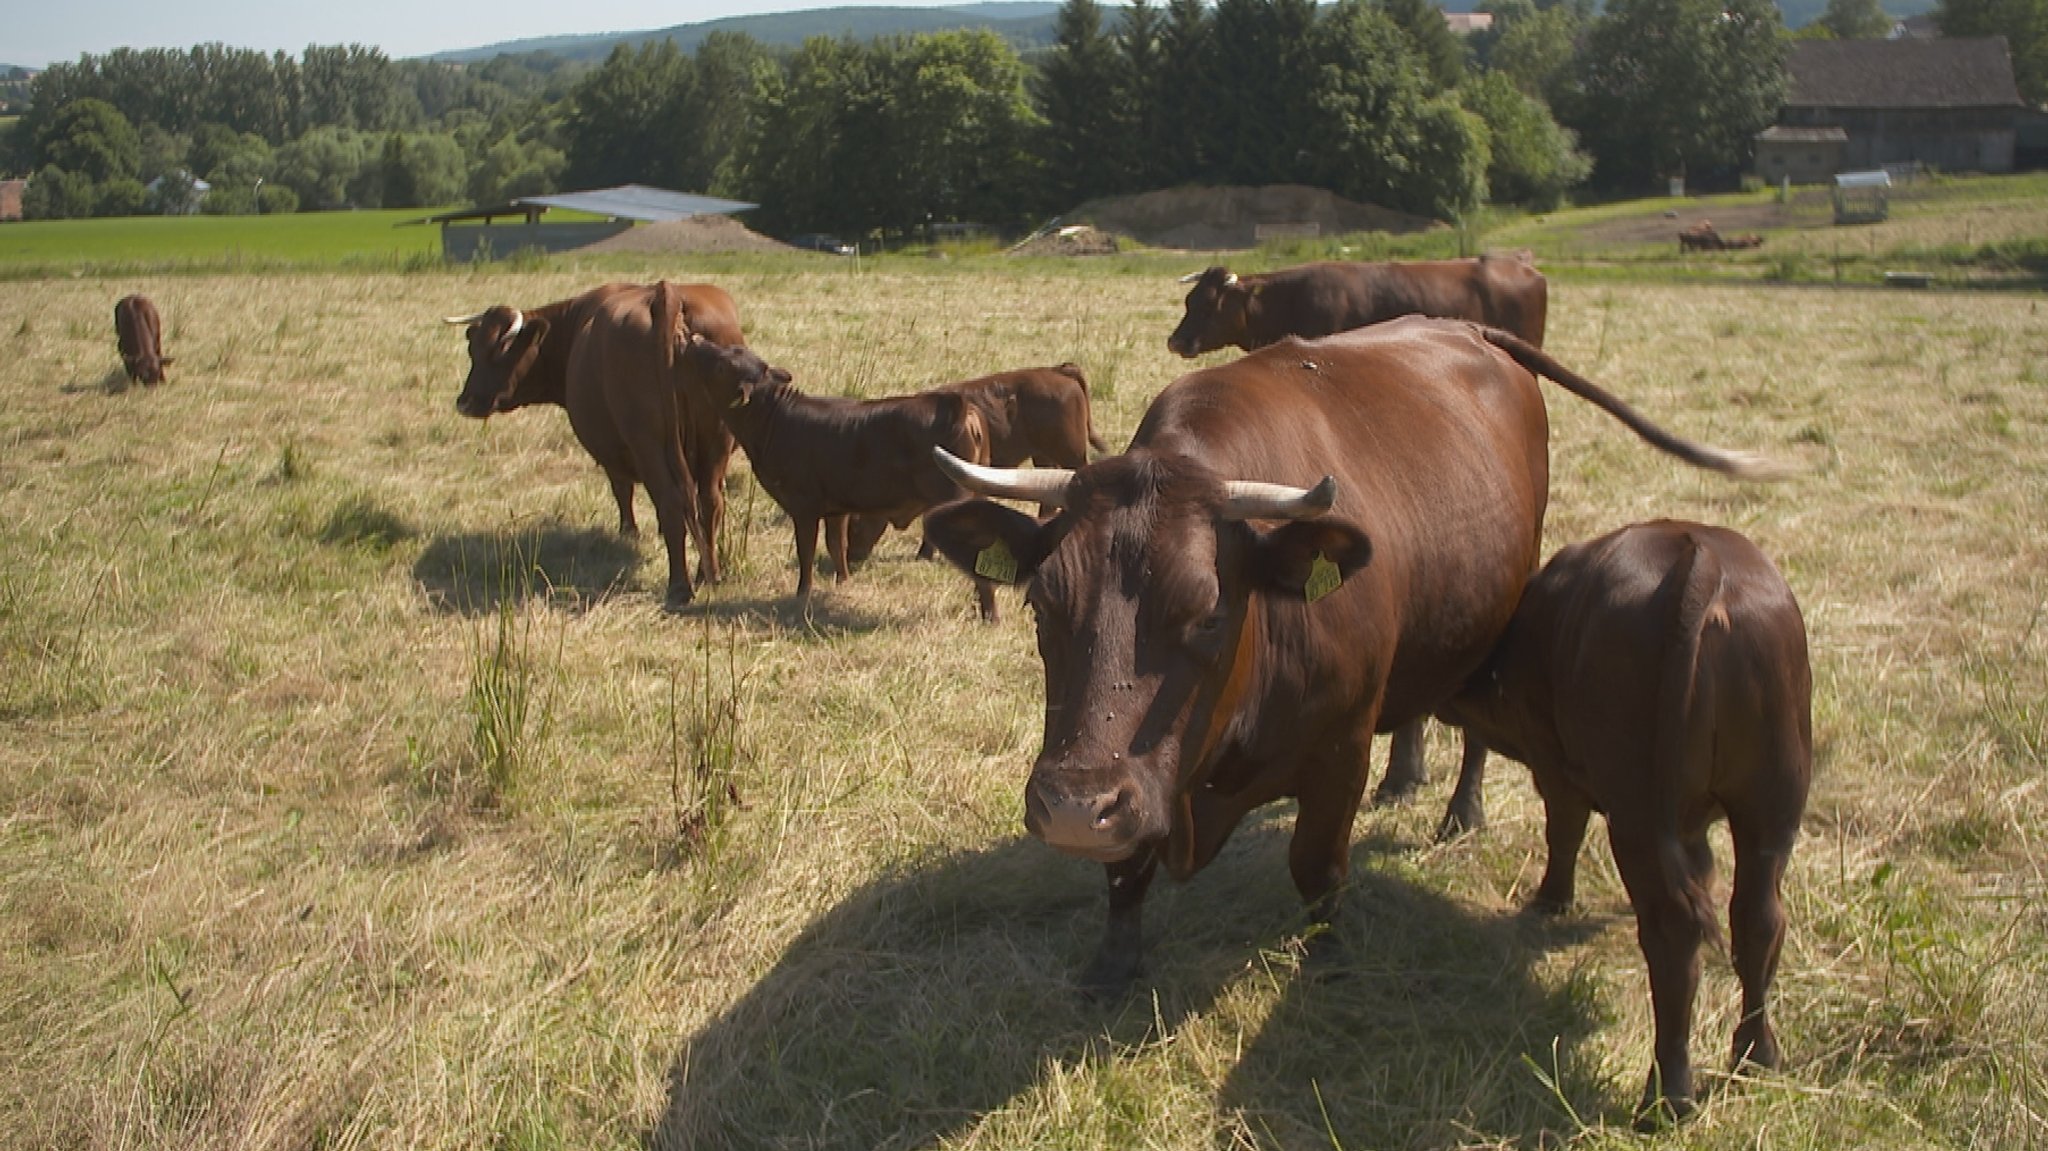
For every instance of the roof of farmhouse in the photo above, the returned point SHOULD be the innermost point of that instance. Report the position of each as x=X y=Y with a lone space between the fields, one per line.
x=625 y=202
x=1905 y=73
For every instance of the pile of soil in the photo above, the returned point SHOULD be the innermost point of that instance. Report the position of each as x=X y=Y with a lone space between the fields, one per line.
x=696 y=234
x=1209 y=219
x=1072 y=240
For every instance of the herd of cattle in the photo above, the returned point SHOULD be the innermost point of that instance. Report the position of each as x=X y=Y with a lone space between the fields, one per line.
x=1337 y=534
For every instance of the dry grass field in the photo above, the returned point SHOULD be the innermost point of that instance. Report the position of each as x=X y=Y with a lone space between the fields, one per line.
x=354 y=792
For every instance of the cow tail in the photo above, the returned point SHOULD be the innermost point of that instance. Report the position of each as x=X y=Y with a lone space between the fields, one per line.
x=1685 y=727
x=1739 y=465
x=1073 y=371
x=668 y=309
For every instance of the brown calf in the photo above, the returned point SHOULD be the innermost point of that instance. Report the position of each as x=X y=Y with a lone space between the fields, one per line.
x=823 y=459
x=140 y=332
x=1659 y=675
x=1039 y=415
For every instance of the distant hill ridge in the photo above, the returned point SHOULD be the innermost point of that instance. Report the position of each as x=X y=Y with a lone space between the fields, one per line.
x=1024 y=23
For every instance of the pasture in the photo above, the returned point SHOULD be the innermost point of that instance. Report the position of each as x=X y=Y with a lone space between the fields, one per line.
x=356 y=793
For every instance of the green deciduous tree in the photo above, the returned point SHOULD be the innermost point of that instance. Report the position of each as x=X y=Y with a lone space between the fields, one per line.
x=91 y=138
x=2023 y=23
x=1856 y=20
x=1677 y=88
x=1531 y=159
x=55 y=194
x=1440 y=50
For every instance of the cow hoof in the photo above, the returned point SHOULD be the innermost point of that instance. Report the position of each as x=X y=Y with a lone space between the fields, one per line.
x=1394 y=795
x=1546 y=907
x=1325 y=957
x=677 y=600
x=1109 y=978
x=1455 y=824
x=1663 y=1114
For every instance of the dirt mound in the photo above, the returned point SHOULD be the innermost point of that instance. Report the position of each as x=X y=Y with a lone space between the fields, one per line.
x=1072 y=240
x=696 y=234
x=1217 y=218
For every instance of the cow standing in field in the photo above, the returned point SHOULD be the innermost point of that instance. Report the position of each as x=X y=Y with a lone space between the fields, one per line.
x=1198 y=665
x=140 y=333
x=1501 y=290
x=1034 y=415
x=609 y=356
x=1659 y=675
x=1223 y=309
x=824 y=459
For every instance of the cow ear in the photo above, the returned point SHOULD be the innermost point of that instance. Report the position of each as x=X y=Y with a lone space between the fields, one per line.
x=984 y=538
x=1310 y=559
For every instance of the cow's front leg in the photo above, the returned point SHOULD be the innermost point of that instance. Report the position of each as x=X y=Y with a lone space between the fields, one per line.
x=1319 y=855
x=1120 y=957
x=806 y=552
x=1467 y=809
x=1406 y=770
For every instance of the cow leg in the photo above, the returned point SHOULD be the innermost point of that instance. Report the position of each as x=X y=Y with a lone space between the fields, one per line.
x=1467 y=809
x=806 y=552
x=1406 y=770
x=622 y=492
x=1756 y=921
x=1319 y=854
x=710 y=478
x=1669 y=930
x=1120 y=957
x=985 y=598
x=675 y=512
x=1565 y=815
x=835 y=546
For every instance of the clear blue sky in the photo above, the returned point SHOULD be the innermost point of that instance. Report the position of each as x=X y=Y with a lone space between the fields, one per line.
x=34 y=33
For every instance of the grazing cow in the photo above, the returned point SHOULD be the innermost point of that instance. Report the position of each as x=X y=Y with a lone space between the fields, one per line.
x=1039 y=415
x=1659 y=675
x=823 y=458
x=1197 y=666
x=609 y=357
x=140 y=332
x=1700 y=237
x=1503 y=290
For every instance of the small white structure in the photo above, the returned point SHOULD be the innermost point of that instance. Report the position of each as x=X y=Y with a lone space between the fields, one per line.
x=1863 y=197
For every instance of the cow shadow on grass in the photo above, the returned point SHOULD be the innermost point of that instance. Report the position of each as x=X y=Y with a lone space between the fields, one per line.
x=931 y=1000
x=113 y=383
x=477 y=573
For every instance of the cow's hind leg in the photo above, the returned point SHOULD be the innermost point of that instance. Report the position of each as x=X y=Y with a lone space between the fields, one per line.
x=622 y=494
x=1670 y=930
x=1406 y=770
x=835 y=546
x=1467 y=809
x=1756 y=922
x=1120 y=957
x=710 y=479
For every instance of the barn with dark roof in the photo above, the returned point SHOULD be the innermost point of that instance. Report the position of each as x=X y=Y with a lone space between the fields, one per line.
x=1947 y=104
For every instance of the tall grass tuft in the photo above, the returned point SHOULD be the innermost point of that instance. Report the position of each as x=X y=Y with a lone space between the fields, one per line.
x=705 y=752
x=507 y=722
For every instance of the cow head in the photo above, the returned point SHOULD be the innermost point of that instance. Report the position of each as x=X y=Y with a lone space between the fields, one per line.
x=1215 y=314
x=503 y=343
x=147 y=368
x=731 y=376
x=1145 y=587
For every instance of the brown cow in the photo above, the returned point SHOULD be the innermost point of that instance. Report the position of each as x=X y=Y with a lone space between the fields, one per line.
x=609 y=357
x=1503 y=290
x=1036 y=415
x=1197 y=666
x=825 y=458
x=140 y=333
x=1659 y=674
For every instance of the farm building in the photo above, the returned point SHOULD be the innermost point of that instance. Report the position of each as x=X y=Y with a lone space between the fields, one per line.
x=475 y=233
x=10 y=198
x=1947 y=104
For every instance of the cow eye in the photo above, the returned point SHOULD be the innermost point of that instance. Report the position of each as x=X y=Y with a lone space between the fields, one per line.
x=1205 y=634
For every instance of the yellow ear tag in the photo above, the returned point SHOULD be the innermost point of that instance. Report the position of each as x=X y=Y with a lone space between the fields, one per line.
x=1323 y=578
x=996 y=563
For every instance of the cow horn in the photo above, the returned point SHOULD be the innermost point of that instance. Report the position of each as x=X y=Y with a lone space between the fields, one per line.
x=1190 y=278
x=1250 y=500
x=465 y=319
x=518 y=322
x=1229 y=279
x=1042 y=485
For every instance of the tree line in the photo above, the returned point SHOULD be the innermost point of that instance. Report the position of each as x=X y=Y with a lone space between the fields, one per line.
x=1376 y=100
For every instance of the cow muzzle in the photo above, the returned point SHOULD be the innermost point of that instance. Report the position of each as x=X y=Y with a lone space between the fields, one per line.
x=1099 y=822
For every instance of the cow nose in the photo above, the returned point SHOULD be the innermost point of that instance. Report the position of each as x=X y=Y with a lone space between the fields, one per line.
x=1092 y=822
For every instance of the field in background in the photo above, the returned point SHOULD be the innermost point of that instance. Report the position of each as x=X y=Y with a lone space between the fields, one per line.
x=173 y=243
x=355 y=793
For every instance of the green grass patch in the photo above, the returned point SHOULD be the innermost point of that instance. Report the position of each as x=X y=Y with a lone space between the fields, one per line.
x=217 y=243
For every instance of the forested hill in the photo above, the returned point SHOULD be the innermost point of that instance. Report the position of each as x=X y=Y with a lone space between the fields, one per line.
x=1024 y=23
